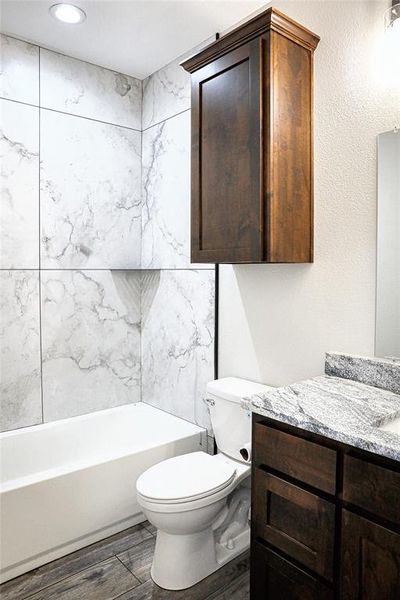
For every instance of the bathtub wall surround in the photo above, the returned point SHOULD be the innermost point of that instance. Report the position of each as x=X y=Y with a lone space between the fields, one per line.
x=21 y=403
x=377 y=372
x=178 y=336
x=103 y=306
x=177 y=341
x=90 y=194
x=19 y=152
x=166 y=170
x=82 y=215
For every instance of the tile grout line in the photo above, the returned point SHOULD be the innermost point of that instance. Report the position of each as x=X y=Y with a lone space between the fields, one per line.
x=167 y=119
x=141 y=251
x=40 y=258
x=141 y=335
x=131 y=573
x=147 y=529
x=62 y=112
x=121 y=269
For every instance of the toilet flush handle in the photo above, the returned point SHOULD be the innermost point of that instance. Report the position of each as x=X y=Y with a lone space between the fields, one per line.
x=209 y=401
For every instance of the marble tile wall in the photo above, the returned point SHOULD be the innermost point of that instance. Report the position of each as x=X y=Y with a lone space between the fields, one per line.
x=20 y=385
x=178 y=341
x=79 y=88
x=166 y=194
x=178 y=301
x=91 y=338
x=19 y=155
x=166 y=93
x=90 y=194
x=70 y=236
x=90 y=198
x=19 y=72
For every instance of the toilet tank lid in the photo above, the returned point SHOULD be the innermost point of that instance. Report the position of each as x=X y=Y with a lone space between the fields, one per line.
x=234 y=388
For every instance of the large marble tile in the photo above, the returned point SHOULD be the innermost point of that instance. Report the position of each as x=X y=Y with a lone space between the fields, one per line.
x=166 y=194
x=19 y=155
x=165 y=93
x=90 y=194
x=20 y=349
x=91 y=341
x=80 y=88
x=19 y=70
x=178 y=341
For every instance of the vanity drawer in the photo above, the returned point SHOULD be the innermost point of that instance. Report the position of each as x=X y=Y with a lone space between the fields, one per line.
x=275 y=577
x=298 y=523
x=374 y=488
x=308 y=462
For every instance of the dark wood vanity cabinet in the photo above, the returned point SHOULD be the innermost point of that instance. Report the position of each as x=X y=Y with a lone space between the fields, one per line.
x=252 y=169
x=273 y=576
x=325 y=518
x=370 y=560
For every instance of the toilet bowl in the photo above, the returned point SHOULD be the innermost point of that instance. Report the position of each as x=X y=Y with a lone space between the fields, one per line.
x=199 y=503
x=187 y=499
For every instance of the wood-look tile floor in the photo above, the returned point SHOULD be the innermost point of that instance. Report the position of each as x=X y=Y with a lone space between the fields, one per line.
x=119 y=568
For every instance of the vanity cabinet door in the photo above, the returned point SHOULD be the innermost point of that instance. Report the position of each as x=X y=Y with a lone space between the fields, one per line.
x=372 y=487
x=370 y=560
x=272 y=576
x=296 y=522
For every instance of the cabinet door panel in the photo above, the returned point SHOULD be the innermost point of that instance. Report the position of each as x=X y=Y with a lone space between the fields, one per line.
x=274 y=577
x=226 y=158
x=298 y=523
x=370 y=560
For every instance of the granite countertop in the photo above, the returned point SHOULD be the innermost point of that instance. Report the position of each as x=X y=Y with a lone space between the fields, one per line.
x=340 y=409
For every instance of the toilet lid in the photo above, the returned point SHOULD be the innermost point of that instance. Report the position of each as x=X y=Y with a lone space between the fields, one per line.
x=188 y=477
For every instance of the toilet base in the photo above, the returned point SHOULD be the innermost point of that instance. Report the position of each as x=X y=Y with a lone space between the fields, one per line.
x=181 y=561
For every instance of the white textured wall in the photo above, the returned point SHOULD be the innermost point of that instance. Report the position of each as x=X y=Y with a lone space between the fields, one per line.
x=276 y=321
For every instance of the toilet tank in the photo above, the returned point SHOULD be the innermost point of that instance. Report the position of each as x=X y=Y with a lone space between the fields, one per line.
x=231 y=423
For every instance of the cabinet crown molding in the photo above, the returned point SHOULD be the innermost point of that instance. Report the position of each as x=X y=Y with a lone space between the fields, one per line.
x=269 y=20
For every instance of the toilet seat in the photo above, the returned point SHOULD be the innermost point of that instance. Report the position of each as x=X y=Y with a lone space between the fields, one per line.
x=185 y=478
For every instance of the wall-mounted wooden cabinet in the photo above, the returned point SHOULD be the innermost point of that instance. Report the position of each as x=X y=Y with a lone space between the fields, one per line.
x=252 y=155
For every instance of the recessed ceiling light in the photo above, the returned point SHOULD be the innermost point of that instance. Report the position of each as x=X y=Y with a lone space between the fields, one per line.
x=67 y=13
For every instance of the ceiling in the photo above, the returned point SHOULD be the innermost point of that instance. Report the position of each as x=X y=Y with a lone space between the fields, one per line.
x=135 y=37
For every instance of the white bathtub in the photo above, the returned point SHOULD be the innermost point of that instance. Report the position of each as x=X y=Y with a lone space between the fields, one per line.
x=70 y=483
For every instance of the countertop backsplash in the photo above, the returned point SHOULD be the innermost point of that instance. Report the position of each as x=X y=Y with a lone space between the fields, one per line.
x=382 y=373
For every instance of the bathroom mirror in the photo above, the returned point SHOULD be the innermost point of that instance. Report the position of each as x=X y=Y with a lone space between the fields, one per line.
x=387 y=341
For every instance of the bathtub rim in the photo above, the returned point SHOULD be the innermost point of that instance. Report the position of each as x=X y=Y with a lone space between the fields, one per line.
x=78 y=465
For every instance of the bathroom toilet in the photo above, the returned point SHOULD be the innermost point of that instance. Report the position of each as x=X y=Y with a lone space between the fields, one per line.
x=200 y=503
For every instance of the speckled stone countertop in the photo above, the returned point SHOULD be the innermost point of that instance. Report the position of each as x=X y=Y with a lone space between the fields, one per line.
x=379 y=372
x=340 y=409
